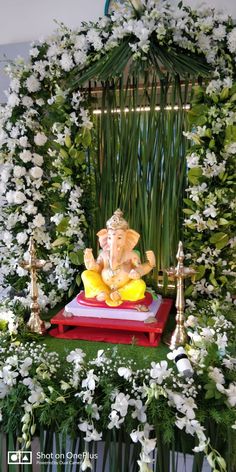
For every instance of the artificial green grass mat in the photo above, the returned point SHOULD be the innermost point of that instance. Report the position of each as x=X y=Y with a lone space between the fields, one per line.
x=143 y=356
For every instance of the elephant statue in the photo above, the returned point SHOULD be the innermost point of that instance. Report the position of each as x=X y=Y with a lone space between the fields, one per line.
x=115 y=276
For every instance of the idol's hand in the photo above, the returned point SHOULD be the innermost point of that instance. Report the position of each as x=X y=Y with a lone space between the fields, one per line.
x=89 y=260
x=151 y=258
x=134 y=274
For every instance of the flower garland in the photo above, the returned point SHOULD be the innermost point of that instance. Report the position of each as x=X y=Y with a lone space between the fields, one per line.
x=211 y=212
x=41 y=178
x=108 y=392
x=45 y=129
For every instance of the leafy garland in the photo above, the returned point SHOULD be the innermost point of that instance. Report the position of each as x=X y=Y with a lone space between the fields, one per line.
x=211 y=212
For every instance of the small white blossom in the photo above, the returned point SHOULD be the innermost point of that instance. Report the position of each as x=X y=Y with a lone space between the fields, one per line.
x=40 y=139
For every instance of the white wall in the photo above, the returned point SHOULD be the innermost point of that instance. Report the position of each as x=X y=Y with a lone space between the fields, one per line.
x=28 y=20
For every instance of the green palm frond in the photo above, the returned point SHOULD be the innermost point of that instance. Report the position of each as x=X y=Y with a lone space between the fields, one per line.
x=163 y=60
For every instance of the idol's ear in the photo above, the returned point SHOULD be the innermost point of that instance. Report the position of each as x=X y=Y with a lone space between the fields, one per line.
x=132 y=238
x=102 y=237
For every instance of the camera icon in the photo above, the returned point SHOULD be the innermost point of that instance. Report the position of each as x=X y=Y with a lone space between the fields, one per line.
x=19 y=457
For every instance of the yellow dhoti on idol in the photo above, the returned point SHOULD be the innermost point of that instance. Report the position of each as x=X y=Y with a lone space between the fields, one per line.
x=133 y=290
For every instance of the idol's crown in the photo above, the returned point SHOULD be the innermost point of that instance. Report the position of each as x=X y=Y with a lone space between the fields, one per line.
x=117 y=221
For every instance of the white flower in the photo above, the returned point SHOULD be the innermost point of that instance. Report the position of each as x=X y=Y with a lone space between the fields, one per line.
x=85 y=119
x=124 y=372
x=219 y=32
x=76 y=356
x=33 y=84
x=19 y=171
x=140 y=410
x=93 y=435
x=121 y=404
x=191 y=321
x=66 y=61
x=34 y=52
x=192 y=160
x=15 y=84
x=25 y=156
x=27 y=101
x=4 y=389
x=39 y=220
x=216 y=375
x=86 y=462
x=101 y=357
x=36 y=172
x=26 y=364
x=231 y=394
x=80 y=57
x=37 y=159
x=13 y=100
x=222 y=341
x=210 y=211
x=160 y=371
x=19 y=197
x=37 y=396
x=22 y=237
x=30 y=209
x=115 y=420
x=40 y=139
x=23 y=141
x=231 y=39
x=8 y=376
x=90 y=380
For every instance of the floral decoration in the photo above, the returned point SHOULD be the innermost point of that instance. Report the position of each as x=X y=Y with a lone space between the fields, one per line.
x=110 y=393
x=46 y=129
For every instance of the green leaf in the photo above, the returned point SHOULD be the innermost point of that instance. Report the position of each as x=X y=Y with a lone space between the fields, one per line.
x=209 y=394
x=224 y=93
x=213 y=280
x=194 y=174
x=233 y=98
x=187 y=211
x=80 y=156
x=63 y=225
x=201 y=269
x=223 y=222
x=56 y=185
x=87 y=138
x=60 y=241
x=72 y=152
x=77 y=258
x=67 y=170
x=197 y=112
x=189 y=290
x=63 y=153
x=218 y=237
x=68 y=141
x=78 y=280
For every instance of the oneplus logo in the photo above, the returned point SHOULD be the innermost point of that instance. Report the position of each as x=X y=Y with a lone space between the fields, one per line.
x=19 y=457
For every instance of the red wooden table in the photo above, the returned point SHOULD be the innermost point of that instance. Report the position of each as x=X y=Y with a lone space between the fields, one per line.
x=112 y=330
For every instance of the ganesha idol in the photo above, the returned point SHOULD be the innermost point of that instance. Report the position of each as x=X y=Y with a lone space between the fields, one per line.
x=115 y=277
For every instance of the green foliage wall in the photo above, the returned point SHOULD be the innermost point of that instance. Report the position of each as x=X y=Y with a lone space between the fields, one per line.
x=140 y=163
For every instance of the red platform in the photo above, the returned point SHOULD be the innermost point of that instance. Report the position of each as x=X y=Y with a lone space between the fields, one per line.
x=112 y=330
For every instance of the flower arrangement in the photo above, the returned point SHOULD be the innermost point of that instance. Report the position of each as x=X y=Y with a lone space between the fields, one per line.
x=110 y=393
x=46 y=130
x=210 y=212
